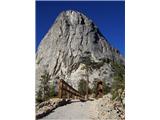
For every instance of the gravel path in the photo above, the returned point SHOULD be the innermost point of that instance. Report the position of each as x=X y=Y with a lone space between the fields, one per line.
x=76 y=110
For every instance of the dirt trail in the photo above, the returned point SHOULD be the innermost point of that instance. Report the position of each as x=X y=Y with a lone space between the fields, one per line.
x=76 y=110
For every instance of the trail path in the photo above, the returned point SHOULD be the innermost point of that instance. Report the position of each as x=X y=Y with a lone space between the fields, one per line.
x=76 y=110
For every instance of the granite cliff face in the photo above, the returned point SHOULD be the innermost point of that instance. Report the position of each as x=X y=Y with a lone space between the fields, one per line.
x=71 y=38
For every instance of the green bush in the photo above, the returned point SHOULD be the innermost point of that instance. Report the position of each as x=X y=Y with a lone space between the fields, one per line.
x=82 y=87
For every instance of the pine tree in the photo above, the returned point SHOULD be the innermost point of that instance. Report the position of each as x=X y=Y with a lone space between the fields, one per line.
x=44 y=87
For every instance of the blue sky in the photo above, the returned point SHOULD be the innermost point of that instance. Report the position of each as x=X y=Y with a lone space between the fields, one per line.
x=109 y=16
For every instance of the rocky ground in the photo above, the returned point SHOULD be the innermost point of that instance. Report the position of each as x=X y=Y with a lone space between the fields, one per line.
x=76 y=110
x=109 y=109
x=102 y=109
x=47 y=107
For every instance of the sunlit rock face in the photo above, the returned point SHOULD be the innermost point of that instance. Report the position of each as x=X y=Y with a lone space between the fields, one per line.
x=71 y=37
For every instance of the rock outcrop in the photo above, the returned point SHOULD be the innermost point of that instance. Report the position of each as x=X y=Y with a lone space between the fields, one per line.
x=71 y=38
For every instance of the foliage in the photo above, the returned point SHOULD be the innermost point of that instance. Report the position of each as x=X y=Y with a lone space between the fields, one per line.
x=89 y=90
x=82 y=86
x=44 y=88
x=118 y=84
x=107 y=88
x=39 y=96
x=52 y=92
x=119 y=71
x=94 y=88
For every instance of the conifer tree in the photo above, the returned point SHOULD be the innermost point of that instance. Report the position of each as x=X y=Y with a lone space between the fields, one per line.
x=44 y=87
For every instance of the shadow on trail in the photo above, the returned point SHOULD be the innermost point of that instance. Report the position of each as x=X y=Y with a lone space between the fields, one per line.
x=74 y=101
